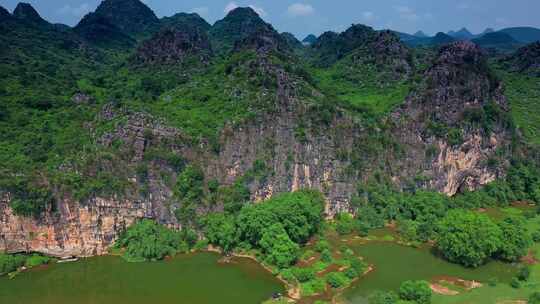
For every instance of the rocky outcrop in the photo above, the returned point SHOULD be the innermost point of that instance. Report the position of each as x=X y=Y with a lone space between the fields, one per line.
x=459 y=83
x=171 y=46
x=526 y=59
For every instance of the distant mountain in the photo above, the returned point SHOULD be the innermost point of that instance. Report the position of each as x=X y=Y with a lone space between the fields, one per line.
x=526 y=59
x=130 y=17
x=463 y=33
x=523 y=34
x=186 y=20
x=420 y=34
x=26 y=12
x=488 y=30
x=497 y=40
x=310 y=39
x=441 y=38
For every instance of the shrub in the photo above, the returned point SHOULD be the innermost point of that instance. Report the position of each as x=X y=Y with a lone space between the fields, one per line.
x=515 y=283
x=303 y=274
x=344 y=223
x=383 y=297
x=322 y=245
x=351 y=273
x=417 y=291
x=326 y=256
x=534 y=298
x=524 y=273
x=36 y=260
x=337 y=279
x=10 y=263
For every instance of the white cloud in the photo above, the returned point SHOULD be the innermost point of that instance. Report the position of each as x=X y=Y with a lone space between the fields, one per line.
x=76 y=11
x=202 y=11
x=368 y=16
x=233 y=5
x=406 y=13
x=300 y=9
x=229 y=7
x=258 y=10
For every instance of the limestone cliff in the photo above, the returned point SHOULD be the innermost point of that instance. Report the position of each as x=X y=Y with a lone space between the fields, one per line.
x=332 y=156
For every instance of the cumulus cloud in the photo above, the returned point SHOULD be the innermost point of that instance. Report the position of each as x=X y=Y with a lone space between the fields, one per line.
x=368 y=16
x=300 y=9
x=233 y=5
x=202 y=11
x=406 y=13
x=76 y=11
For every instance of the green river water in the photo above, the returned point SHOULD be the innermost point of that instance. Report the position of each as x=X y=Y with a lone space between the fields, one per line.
x=186 y=279
x=395 y=263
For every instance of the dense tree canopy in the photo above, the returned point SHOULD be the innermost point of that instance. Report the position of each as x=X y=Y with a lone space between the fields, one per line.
x=515 y=239
x=417 y=291
x=468 y=238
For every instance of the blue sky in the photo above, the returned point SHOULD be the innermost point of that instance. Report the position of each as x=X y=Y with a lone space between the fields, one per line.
x=317 y=16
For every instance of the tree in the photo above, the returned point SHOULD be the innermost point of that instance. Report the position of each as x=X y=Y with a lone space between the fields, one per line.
x=344 y=223
x=467 y=238
x=418 y=291
x=337 y=279
x=220 y=229
x=516 y=239
x=148 y=241
x=279 y=249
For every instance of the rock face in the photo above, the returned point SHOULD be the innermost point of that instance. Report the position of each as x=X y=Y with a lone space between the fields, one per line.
x=454 y=88
x=526 y=59
x=330 y=155
x=173 y=46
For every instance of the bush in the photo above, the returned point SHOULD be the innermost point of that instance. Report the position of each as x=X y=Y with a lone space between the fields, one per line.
x=326 y=256
x=383 y=297
x=10 y=263
x=344 y=223
x=536 y=236
x=287 y=275
x=515 y=283
x=315 y=286
x=534 y=298
x=351 y=273
x=524 y=273
x=337 y=279
x=417 y=291
x=322 y=245
x=303 y=274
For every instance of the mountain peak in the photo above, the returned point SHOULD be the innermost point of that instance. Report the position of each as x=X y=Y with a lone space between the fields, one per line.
x=186 y=21
x=25 y=11
x=310 y=39
x=239 y=24
x=244 y=12
x=4 y=13
x=130 y=16
x=420 y=34
x=463 y=33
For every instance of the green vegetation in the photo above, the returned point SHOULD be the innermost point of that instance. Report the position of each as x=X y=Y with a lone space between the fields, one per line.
x=467 y=237
x=417 y=291
x=12 y=262
x=148 y=241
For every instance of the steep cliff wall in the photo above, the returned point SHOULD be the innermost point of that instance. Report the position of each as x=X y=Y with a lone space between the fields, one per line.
x=332 y=157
